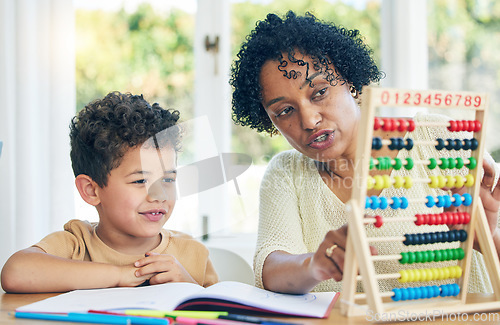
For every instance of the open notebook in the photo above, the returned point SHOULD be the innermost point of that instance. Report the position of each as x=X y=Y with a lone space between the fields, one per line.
x=234 y=297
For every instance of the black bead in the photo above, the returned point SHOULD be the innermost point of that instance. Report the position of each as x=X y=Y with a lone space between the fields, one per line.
x=467 y=144
x=449 y=145
x=440 y=144
x=409 y=144
x=376 y=143
x=474 y=144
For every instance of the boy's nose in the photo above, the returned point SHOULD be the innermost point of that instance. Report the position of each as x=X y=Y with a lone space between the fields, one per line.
x=161 y=191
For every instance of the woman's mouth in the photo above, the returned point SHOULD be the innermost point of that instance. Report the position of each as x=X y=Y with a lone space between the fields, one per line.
x=321 y=140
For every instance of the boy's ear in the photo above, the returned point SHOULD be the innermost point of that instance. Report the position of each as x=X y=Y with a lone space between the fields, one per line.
x=87 y=189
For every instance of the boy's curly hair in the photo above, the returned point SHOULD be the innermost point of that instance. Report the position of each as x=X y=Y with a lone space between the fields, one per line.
x=339 y=52
x=102 y=132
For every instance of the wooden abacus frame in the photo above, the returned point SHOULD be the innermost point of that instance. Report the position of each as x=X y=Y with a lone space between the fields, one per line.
x=358 y=258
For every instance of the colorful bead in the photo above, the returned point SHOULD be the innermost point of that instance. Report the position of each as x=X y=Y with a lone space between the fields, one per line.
x=408 y=182
x=383 y=202
x=379 y=182
x=444 y=163
x=477 y=126
x=378 y=221
x=430 y=201
x=440 y=144
x=376 y=143
x=457 y=200
x=470 y=180
x=403 y=124
x=409 y=144
x=376 y=123
x=387 y=181
x=473 y=144
x=434 y=181
x=370 y=182
x=372 y=163
x=467 y=199
x=459 y=162
x=472 y=163
x=396 y=203
x=450 y=181
x=411 y=125
x=432 y=163
x=397 y=164
x=404 y=202
x=441 y=181
x=398 y=181
x=449 y=144
x=387 y=126
x=409 y=163
x=466 y=145
x=459 y=181
x=453 y=126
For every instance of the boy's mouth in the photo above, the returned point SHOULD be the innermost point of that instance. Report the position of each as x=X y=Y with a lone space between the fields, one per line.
x=154 y=215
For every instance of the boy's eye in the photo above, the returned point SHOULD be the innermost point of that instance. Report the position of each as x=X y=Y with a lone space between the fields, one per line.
x=284 y=112
x=140 y=181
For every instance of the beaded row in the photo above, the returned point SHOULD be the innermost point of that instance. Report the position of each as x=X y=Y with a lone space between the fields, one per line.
x=390 y=124
x=443 y=218
x=435 y=237
x=439 y=255
x=375 y=202
x=442 y=273
x=385 y=163
x=439 y=144
x=379 y=182
x=445 y=290
x=447 y=201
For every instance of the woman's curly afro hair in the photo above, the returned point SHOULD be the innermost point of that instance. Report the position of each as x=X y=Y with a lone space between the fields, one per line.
x=107 y=128
x=340 y=52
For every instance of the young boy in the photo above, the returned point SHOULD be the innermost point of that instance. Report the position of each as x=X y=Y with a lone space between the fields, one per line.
x=123 y=152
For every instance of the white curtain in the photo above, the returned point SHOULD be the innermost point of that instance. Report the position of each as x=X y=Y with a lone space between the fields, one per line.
x=37 y=101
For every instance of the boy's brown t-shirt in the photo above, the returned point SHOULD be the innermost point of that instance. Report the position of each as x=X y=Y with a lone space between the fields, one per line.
x=79 y=241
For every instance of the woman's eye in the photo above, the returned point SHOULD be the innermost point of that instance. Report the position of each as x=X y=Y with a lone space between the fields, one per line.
x=320 y=92
x=286 y=111
x=168 y=180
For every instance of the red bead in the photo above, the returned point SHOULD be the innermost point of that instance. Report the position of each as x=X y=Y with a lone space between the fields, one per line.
x=460 y=126
x=477 y=126
x=465 y=125
x=426 y=219
x=461 y=218
x=394 y=125
x=403 y=124
x=466 y=218
x=444 y=218
x=376 y=123
x=378 y=222
x=454 y=220
x=411 y=125
x=439 y=219
x=432 y=219
x=453 y=126
x=418 y=222
x=387 y=124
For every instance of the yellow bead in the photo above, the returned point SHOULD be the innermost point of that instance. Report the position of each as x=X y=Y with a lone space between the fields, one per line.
x=379 y=182
x=398 y=181
x=470 y=180
x=450 y=181
x=404 y=276
x=408 y=182
x=414 y=275
x=441 y=181
x=430 y=274
x=446 y=273
x=434 y=182
x=459 y=271
x=453 y=272
x=435 y=273
x=441 y=274
x=423 y=275
x=387 y=181
x=460 y=181
x=370 y=182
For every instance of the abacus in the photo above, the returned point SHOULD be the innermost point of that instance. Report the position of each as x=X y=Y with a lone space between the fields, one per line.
x=451 y=296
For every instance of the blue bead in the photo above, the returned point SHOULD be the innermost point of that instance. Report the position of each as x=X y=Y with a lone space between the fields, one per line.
x=404 y=294
x=474 y=144
x=458 y=144
x=467 y=199
x=408 y=240
x=440 y=202
x=458 y=200
x=444 y=290
x=367 y=203
x=463 y=235
x=430 y=201
x=411 y=293
x=467 y=144
x=434 y=238
x=383 y=203
x=446 y=237
x=404 y=202
x=439 y=236
x=418 y=293
x=440 y=144
x=450 y=144
x=428 y=238
x=452 y=236
x=447 y=201
x=375 y=202
x=435 y=291
x=397 y=294
x=456 y=289
x=396 y=203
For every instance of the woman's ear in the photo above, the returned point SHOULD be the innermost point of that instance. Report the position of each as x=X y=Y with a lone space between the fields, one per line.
x=87 y=189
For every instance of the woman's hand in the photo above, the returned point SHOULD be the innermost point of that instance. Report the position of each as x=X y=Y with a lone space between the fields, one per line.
x=162 y=268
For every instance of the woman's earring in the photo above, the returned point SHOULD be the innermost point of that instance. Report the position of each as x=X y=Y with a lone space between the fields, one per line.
x=354 y=92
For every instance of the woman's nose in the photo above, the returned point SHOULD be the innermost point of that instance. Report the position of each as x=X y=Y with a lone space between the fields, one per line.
x=161 y=191
x=310 y=116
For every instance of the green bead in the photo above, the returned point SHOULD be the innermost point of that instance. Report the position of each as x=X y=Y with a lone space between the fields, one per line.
x=472 y=164
x=444 y=163
x=397 y=163
x=404 y=258
x=409 y=164
x=432 y=256
x=461 y=253
x=446 y=256
x=433 y=163
x=439 y=256
x=460 y=163
x=388 y=162
x=380 y=164
x=372 y=164
x=418 y=257
x=411 y=257
x=425 y=256
x=451 y=163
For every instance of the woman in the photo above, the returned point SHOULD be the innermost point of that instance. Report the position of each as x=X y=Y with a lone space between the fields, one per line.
x=301 y=77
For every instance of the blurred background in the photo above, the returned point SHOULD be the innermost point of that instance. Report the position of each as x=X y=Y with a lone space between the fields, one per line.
x=58 y=55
